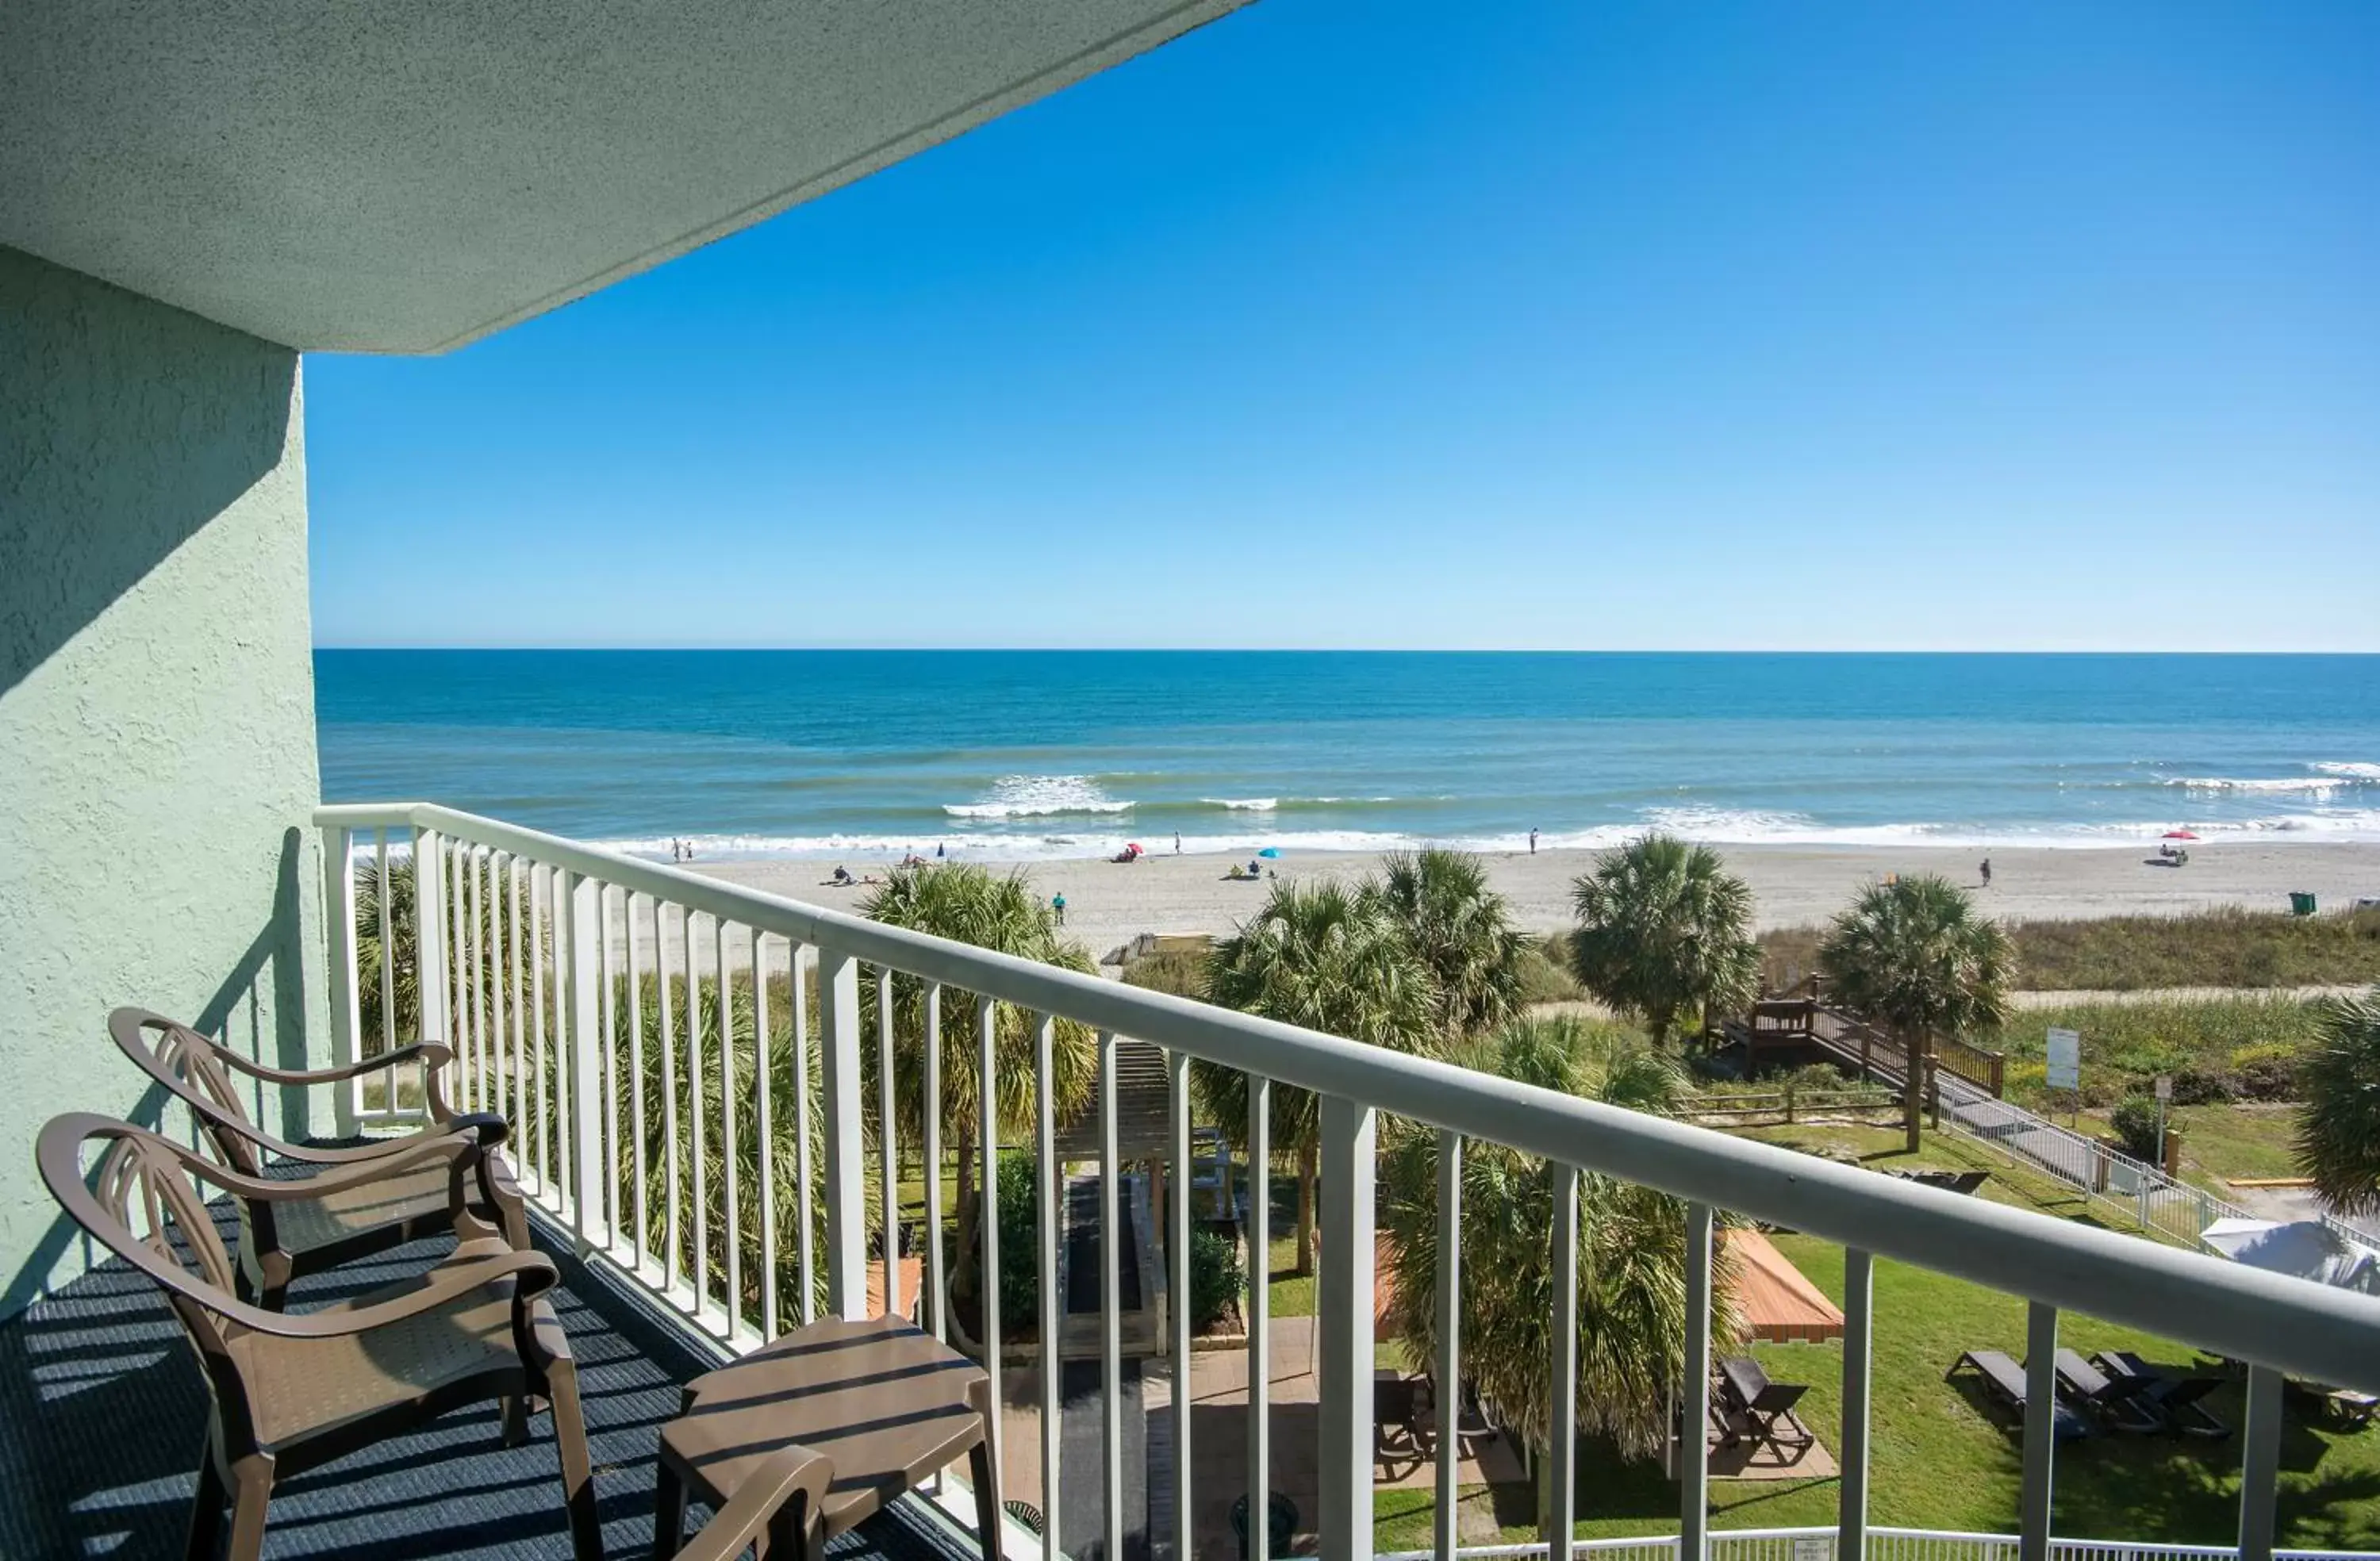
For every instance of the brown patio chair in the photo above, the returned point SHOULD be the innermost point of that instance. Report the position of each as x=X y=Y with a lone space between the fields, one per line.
x=292 y=1392
x=285 y=1242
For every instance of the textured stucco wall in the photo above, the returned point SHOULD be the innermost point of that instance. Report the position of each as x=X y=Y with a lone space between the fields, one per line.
x=156 y=709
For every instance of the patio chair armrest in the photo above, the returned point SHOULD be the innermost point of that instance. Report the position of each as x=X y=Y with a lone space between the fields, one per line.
x=272 y=1075
x=340 y=1177
x=789 y=1472
x=535 y=1272
x=492 y=1130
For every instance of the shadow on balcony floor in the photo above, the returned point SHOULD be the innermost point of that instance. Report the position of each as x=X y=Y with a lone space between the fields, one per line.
x=102 y=1408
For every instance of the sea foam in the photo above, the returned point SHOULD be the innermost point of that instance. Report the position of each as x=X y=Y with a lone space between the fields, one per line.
x=1039 y=796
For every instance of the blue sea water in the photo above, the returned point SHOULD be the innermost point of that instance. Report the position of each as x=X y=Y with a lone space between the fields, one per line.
x=1016 y=754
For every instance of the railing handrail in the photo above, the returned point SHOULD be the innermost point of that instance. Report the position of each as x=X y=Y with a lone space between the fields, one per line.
x=2302 y=1328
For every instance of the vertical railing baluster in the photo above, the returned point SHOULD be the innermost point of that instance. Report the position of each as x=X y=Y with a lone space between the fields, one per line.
x=2260 y=1463
x=429 y=951
x=695 y=1106
x=458 y=969
x=1859 y=1350
x=1561 y=1420
x=764 y=1128
x=639 y=1242
x=1445 y=1534
x=1177 y=1251
x=565 y=1061
x=671 y=1264
x=846 y=1163
x=937 y=1298
x=1693 y=1449
x=585 y=1138
x=804 y=1225
x=1110 y=1310
x=1343 y=1306
x=1048 y=1183
x=731 y=1224
x=389 y=1030
x=2040 y=1430
x=610 y=1144
x=521 y=875
x=888 y=1151
x=536 y=1157
x=986 y=1220
x=492 y=986
x=1259 y=1318
x=346 y=1001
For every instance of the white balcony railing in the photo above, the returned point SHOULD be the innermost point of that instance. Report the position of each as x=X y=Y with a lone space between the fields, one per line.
x=528 y=944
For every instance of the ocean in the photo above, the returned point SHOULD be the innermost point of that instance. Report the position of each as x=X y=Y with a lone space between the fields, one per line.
x=1052 y=754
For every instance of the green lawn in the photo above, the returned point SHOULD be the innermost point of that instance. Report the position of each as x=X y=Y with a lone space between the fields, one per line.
x=1940 y=1459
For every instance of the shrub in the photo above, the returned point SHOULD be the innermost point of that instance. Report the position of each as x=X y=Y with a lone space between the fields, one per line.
x=1541 y=980
x=2134 y=1123
x=1180 y=971
x=1217 y=1277
x=2266 y=1073
x=1020 y=1243
x=2197 y=1085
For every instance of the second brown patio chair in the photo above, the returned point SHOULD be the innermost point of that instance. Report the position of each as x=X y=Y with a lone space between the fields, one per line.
x=286 y=1242
x=294 y=1391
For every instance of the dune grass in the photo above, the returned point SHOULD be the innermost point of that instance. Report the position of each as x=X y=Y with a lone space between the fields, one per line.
x=2220 y=948
x=2215 y=1048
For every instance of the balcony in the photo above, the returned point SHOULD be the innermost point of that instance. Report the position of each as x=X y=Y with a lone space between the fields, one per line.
x=699 y=1234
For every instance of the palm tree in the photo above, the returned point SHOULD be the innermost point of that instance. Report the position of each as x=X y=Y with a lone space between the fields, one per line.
x=1001 y=912
x=1324 y=956
x=1459 y=928
x=1913 y=956
x=1632 y=1247
x=2338 y=1123
x=1664 y=930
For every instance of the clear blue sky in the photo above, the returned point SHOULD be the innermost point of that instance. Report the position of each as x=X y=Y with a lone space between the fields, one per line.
x=1582 y=323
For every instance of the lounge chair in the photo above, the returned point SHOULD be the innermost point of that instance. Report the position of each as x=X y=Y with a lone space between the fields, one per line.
x=1403 y=1424
x=2003 y=1384
x=1763 y=1406
x=285 y=1242
x=290 y=1393
x=2122 y=1402
x=2177 y=1398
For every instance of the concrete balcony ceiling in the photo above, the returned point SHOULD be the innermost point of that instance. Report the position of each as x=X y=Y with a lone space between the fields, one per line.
x=408 y=178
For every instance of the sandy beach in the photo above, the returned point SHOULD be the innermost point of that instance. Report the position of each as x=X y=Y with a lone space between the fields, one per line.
x=1108 y=903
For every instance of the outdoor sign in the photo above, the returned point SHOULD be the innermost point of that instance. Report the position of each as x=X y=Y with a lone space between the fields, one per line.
x=2065 y=1059
x=2165 y=1086
x=1813 y=1547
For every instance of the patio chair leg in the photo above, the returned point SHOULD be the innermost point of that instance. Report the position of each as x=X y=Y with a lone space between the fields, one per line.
x=986 y=1480
x=252 y=1494
x=668 y=1513
x=577 y=1478
x=513 y=1409
x=207 y=1507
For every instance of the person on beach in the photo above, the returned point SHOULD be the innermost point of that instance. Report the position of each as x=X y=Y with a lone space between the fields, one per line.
x=938 y=850
x=1987 y=872
x=1058 y=903
x=1533 y=842
x=1177 y=843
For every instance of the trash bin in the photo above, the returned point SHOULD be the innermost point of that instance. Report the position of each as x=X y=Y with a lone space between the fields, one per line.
x=2301 y=904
